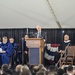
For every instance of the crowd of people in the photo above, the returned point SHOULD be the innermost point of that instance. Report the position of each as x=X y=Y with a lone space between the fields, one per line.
x=11 y=53
x=9 y=50
x=36 y=70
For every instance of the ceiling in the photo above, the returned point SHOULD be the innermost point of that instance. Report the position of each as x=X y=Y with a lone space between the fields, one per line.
x=30 y=13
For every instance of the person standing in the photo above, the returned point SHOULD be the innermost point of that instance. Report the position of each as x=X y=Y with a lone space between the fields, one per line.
x=41 y=34
x=25 y=50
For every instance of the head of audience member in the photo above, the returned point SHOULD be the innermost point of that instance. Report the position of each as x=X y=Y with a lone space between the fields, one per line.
x=19 y=68
x=4 y=67
x=25 y=67
x=25 y=37
x=65 y=74
x=70 y=69
x=40 y=66
x=25 y=72
x=52 y=68
x=8 y=72
x=66 y=37
x=4 y=39
x=60 y=71
x=65 y=69
x=37 y=68
x=41 y=72
x=52 y=73
x=34 y=69
x=11 y=40
x=38 y=28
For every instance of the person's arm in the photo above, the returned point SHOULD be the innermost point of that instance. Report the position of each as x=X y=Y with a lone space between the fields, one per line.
x=3 y=51
x=44 y=36
x=61 y=48
x=62 y=51
x=25 y=48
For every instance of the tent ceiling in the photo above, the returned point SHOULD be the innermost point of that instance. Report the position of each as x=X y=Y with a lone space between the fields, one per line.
x=29 y=13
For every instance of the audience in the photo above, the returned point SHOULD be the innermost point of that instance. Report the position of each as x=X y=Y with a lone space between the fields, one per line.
x=70 y=70
x=36 y=70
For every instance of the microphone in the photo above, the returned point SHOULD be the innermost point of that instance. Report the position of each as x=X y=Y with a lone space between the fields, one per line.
x=22 y=38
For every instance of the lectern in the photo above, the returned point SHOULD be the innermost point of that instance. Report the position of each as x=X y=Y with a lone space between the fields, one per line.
x=35 y=46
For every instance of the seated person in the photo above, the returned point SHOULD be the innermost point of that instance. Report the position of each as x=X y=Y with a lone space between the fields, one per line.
x=65 y=43
x=14 y=59
x=22 y=55
x=62 y=47
x=6 y=52
x=11 y=40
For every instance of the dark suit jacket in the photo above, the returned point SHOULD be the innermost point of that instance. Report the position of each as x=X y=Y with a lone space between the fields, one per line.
x=25 y=47
x=63 y=45
x=43 y=35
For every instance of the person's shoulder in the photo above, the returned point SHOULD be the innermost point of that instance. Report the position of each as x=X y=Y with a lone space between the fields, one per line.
x=15 y=44
x=9 y=44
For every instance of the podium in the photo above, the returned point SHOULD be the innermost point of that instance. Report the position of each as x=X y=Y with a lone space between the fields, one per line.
x=35 y=46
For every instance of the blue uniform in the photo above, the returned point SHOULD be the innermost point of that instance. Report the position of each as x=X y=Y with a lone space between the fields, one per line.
x=15 y=46
x=14 y=58
x=8 y=47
